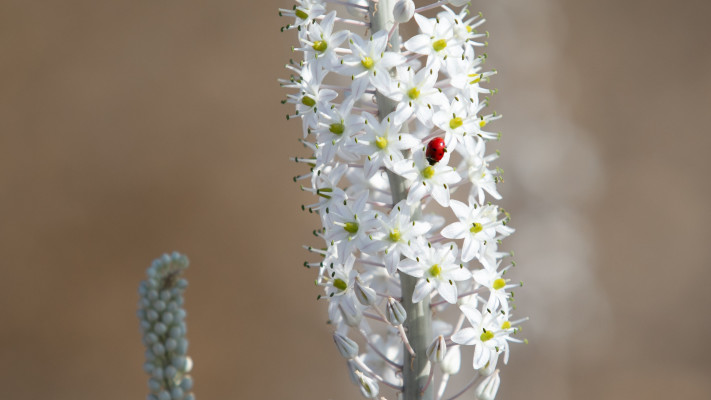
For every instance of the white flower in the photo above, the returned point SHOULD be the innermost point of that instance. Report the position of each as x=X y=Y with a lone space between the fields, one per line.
x=340 y=284
x=497 y=285
x=350 y=225
x=475 y=167
x=456 y=121
x=396 y=232
x=382 y=144
x=335 y=130
x=414 y=92
x=304 y=13
x=368 y=59
x=320 y=43
x=436 y=39
x=324 y=184
x=427 y=179
x=463 y=29
x=482 y=335
x=437 y=269
x=477 y=225
x=310 y=97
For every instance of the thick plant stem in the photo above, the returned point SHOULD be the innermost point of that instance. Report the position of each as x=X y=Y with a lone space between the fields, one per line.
x=418 y=324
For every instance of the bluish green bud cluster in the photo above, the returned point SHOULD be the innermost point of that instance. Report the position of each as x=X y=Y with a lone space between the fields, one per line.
x=162 y=324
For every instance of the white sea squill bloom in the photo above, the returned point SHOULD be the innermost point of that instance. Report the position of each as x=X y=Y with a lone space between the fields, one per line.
x=382 y=144
x=477 y=225
x=162 y=323
x=427 y=179
x=385 y=119
x=436 y=268
x=395 y=236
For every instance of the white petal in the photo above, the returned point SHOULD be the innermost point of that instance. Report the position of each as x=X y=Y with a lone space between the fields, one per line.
x=441 y=195
x=422 y=289
x=456 y=230
x=481 y=356
x=447 y=291
x=466 y=336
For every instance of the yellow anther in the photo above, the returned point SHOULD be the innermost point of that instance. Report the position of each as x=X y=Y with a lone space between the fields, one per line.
x=301 y=14
x=340 y=284
x=428 y=172
x=455 y=123
x=320 y=45
x=488 y=335
x=337 y=128
x=308 y=101
x=367 y=62
x=439 y=44
x=413 y=93
x=351 y=227
x=476 y=228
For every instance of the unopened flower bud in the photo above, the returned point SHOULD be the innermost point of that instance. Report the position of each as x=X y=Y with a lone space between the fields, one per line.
x=395 y=312
x=437 y=350
x=351 y=319
x=488 y=387
x=403 y=11
x=368 y=386
x=489 y=368
x=452 y=361
x=347 y=347
x=365 y=295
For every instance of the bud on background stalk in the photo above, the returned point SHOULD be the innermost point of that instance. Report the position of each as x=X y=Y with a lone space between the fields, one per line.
x=162 y=323
x=396 y=127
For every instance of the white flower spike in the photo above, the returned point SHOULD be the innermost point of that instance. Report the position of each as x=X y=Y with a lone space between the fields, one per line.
x=396 y=133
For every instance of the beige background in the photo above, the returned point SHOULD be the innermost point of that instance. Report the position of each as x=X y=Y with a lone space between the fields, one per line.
x=130 y=128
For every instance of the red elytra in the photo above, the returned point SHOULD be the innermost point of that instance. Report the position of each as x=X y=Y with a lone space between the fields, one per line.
x=435 y=150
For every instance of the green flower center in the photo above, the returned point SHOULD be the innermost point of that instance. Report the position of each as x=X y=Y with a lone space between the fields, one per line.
x=320 y=45
x=367 y=62
x=395 y=235
x=337 y=128
x=435 y=270
x=455 y=123
x=308 y=101
x=340 y=284
x=301 y=14
x=506 y=325
x=381 y=142
x=428 y=172
x=413 y=93
x=488 y=335
x=482 y=123
x=439 y=44
x=476 y=228
x=499 y=283
x=351 y=227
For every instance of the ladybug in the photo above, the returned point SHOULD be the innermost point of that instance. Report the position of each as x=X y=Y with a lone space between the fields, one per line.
x=435 y=150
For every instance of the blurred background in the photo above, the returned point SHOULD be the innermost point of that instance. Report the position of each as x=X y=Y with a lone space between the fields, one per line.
x=132 y=128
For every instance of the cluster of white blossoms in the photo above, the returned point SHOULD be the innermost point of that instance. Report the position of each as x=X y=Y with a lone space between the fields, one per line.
x=162 y=322
x=396 y=126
